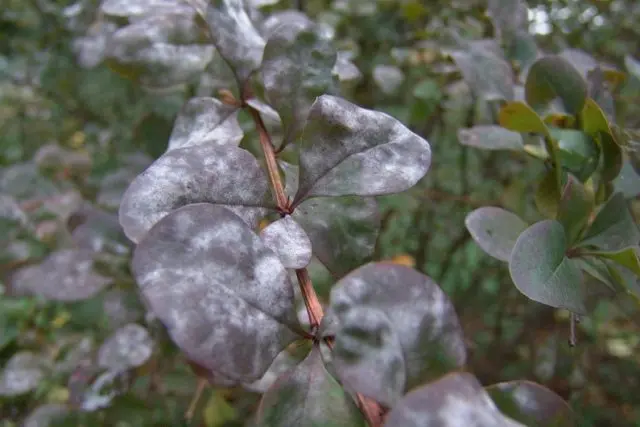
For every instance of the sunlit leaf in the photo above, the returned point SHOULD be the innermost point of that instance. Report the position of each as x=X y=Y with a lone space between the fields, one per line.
x=224 y=175
x=613 y=228
x=491 y=137
x=128 y=347
x=286 y=238
x=575 y=207
x=394 y=329
x=457 y=399
x=519 y=117
x=205 y=120
x=309 y=396
x=221 y=293
x=541 y=270
x=348 y=150
x=21 y=374
x=235 y=37
x=495 y=230
x=296 y=68
x=554 y=77
x=531 y=404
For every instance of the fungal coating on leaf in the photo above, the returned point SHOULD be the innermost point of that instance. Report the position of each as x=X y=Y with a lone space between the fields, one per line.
x=286 y=238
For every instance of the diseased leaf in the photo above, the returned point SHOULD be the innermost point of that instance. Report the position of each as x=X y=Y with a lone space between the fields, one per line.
x=345 y=70
x=613 y=228
x=541 y=270
x=455 y=400
x=347 y=150
x=574 y=209
x=495 y=230
x=141 y=8
x=554 y=77
x=489 y=75
x=96 y=230
x=224 y=175
x=491 y=137
x=296 y=68
x=128 y=347
x=633 y=66
x=388 y=78
x=22 y=373
x=394 y=329
x=65 y=275
x=224 y=297
x=23 y=181
x=288 y=240
x=531 y=404
x=45 y=415
x=308 y=396
x=205 y=120
x=235 y=37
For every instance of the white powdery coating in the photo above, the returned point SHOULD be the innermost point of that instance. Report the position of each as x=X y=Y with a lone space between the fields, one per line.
x=127 y=8
x=491 y=137
x=128 y=347
x=22 y=373
x=289 y=241
x=388 y=78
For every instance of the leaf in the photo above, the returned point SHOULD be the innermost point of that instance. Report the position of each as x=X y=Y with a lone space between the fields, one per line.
x=235 y=37
x=628 y=258
x=205 y=120
x=218 y=411
x=491 y=137
x=223 y=175
x=531 y=404
x=489 y=76
x=554 y=77
x=45 y=415
x=495 y=230
x=593 y=119
x=128 y=347
x=519 y=117
x=348 y=150
x=96 y=230
x=574 y=209
x=141 y=8
x=633 y=66
x=221 y=293
x=394 y=329
x=345 y=70
x=456 y=399
x=578 y=152
x=613 y=228
x=388 y=78
x=612 y=159
x=542 y=272
x=65 y=275
x=296 y=68
x=22 y=374
x=160 y=50
x=547 y=195
x=343 y=230
x=628 y=181
x=308 y=396
x=287 y=239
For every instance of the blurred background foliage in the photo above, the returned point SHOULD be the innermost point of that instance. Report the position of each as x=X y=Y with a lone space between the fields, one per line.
x=74 y=133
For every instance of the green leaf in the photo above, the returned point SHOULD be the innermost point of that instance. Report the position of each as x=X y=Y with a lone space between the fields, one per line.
x=593 y=119
x=308 y=396
x=554 y=77
x=628 y=258
x=578 y=152
x=612 y=158
x=495 y=230
x=491 y=137
x=519 y=117
x=218 y=412
x=628 y=181
x=613 y=228
x=547 y=197
x=541 y=270
x=574 y=209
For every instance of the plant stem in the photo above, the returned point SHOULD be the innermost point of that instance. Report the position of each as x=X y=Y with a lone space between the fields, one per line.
x=196 y=398
x=314 y=308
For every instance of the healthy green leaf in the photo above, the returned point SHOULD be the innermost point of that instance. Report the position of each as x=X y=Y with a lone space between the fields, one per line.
x=554 y=77
x=578 y=152
x=394 y=329
x=519 y=117
x=541 y=270
x=612 y=159
x=613 y=228
x=308 y=396
x=288 y=240
x=495 y=230
x=628 y=181
x=22 y=374
x=491 y=137
x=593 y=119
x=205 y=120
x=547 y=197
x=627 y=258
x=574 y=209
x=128 y=347
x=224 y=175
x=348 y=150
x=296 y=68
x=455 y=400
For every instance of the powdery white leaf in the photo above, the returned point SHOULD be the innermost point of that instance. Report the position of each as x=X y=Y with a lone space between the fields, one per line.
x=128 y=347
x=23 y=181
x=455 y=400
x=45 y=415
x=491 y=137
x=632 y=65
x=281 y=364
x=296 y=68
x=113 y=185
x=205 y=120
x=541 y=270
x=235 y=37
x=121 y=307
x=139 y=8
x=308 y=395
x=102 y=391
x=388 y=78
x=489 y=75
x=344 y=69
x=394 y=329
x=11 y=212
x=97 y=230
x=495 y=230
x=224 y=297
x=288 y=240
x=91 y=48
x=224 y=175
x=290 y=18
x=65 y=275
x=22 y=373
x=347 y=150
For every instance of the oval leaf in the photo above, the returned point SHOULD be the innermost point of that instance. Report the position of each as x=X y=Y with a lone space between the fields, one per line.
x=488 y=75
x=394 y=329
x=128 y=347
x=455 y=400
x=140 y=8
x=542 y=272
x=224 y=175
x=286 y=238
x=308 y=395
x=495 y=230
x=491 y=137
x=348 y=150
x=554 y=77
x=22 y=373
x=614 y=228
x=519 y=117
x=224 y=297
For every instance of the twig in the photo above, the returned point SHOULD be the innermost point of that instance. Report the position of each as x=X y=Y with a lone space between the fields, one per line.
x=202 y=383
x=314 y=308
